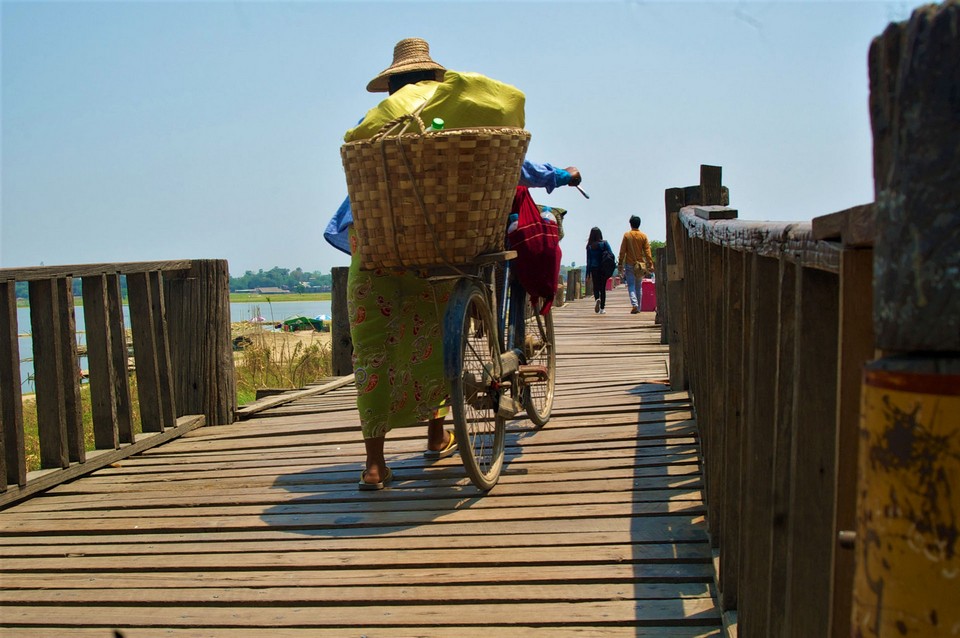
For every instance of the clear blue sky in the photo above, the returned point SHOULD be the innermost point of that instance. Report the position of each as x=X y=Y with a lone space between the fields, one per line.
x=165 y=130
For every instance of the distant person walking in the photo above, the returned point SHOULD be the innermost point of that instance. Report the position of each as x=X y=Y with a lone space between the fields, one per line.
x=635 y=260
x=601 y=264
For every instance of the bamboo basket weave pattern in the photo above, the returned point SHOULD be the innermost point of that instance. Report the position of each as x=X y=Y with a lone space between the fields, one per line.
x=434 y=198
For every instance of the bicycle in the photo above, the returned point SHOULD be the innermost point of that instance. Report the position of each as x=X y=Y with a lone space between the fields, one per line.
x=495 y=368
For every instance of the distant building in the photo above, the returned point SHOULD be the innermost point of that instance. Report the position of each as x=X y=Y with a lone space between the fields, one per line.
x=271 y=290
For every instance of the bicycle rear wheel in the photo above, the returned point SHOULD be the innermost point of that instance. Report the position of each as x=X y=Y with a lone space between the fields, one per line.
x=472 y=367
x=539 y=348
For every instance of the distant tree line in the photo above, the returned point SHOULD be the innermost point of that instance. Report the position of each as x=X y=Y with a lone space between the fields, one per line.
x=22 y=289
x=296 y=280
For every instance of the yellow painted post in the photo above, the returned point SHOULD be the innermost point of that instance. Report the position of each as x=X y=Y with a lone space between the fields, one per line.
x=907 y=580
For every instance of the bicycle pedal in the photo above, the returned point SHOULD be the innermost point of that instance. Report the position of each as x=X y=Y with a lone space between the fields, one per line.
x=508 y=407
x=531 y=345
x=533 y=373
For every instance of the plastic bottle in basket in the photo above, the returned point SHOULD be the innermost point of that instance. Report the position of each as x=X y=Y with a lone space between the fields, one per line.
x=436 y=124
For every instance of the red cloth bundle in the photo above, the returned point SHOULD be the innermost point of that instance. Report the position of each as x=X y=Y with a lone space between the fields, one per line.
x=537 y=243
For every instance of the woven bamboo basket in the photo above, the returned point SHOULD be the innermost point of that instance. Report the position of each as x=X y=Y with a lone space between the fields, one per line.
x=432 y=198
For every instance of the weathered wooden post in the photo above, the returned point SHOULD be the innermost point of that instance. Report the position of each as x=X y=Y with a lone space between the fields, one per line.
x=560 y=297
x=660 y=318
x=197 y=312
x=13 y=467
x=48 y=373
x=588 y=286
x=340 y=324
x=673 y=266
x=573 y=284
x=908 y=511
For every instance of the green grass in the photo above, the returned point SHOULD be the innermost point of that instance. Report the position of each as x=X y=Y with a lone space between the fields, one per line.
x=260 y=366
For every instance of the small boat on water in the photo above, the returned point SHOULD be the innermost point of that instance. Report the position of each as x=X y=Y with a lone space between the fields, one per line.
x=300 y=322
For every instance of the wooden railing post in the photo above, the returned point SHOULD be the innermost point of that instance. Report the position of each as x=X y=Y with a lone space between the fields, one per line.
x=145 y=352
x=196 y=308
x=48 y=373
x=756 y=460
x=782 y=446
x=119 y=354
x=908 y=534
x=660 y=319
x=732 y=382
x=712 y=415
x=572 y=285
x=811 y=541
x=103 y=373
x=340 y=324
x=673 y=266
x=856 y=343
x=69 y=364
x=13 y=458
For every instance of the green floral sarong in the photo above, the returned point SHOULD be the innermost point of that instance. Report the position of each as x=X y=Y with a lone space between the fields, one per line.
x=396 y=326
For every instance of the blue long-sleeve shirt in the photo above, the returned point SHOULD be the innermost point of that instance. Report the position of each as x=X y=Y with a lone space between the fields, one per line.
x=595 y=252
x=532 y=175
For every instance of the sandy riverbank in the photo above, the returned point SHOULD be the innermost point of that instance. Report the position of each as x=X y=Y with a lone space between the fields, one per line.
x=278 y=341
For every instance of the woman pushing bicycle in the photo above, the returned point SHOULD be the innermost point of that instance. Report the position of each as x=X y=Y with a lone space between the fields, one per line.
x=396 y=315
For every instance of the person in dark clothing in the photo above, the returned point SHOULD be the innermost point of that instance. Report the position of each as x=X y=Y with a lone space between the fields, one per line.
x=599 y=268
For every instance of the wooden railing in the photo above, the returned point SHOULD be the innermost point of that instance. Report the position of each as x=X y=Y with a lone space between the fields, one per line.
x=823 y=359
x=180 y=324
x=758 y=316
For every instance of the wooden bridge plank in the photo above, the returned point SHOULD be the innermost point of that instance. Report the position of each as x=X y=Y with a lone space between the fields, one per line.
x=387 y=631
x=458 y=575
x=123 y=545
x=583 y=490
x=583 y=555
x=416 y=594
x=347 y=519
x=677 y=528
x=692 y=611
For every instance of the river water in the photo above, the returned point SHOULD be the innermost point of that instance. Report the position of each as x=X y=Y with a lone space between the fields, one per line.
x=273 y=313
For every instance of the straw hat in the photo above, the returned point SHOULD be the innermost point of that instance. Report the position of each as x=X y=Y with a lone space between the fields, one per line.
x=411 y=54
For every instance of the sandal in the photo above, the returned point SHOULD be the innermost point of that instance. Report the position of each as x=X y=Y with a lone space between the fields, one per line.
x=435 y=455
x=363 y=485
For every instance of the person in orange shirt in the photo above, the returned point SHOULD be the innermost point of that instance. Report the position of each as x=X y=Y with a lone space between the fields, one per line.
x=635 y=260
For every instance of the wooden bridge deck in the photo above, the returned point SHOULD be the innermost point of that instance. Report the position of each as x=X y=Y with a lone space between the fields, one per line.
x=257 y=529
